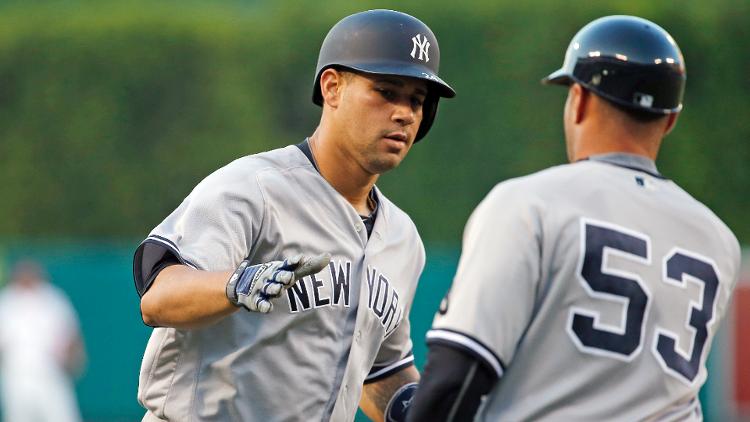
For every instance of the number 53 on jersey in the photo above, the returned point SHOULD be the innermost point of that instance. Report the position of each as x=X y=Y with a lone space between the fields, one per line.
x=602 y=281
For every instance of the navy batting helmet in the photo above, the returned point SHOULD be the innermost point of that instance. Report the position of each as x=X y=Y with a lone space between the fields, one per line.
x=627 y=60
x=386 y=42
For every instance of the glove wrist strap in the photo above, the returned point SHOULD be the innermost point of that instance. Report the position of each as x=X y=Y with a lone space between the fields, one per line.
x=231 y=288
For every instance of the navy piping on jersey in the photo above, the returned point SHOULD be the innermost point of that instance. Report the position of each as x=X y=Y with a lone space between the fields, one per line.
x=304 y=146
x=171 y=246
x=468 y=344
x=379 y=372
x=170 y=255
x=167 y=241
x=367 y=220
x=628 y=161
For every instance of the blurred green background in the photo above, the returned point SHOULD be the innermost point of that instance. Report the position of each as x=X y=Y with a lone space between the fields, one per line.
x=111 y=111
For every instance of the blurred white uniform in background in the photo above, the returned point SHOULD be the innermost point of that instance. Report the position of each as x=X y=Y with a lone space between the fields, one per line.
x=40 y=349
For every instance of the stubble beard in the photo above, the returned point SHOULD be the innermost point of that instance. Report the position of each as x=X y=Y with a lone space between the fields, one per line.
x=381 y=162
x=380 y=166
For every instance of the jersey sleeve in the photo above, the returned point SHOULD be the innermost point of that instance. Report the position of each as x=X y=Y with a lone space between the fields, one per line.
x=395 y=351
x=492 y=297
x=732 y=261
x=212 y=229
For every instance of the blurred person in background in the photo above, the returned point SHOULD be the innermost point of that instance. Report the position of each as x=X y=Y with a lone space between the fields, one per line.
x=41 y=349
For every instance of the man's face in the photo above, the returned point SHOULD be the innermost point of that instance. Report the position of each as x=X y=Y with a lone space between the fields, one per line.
x=380 y=116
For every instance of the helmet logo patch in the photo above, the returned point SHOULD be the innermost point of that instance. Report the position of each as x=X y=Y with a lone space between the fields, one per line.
x=643 y=100
x=423 y=45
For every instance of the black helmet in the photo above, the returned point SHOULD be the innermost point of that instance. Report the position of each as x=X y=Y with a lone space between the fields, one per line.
x=627 y=60
x=386 y=42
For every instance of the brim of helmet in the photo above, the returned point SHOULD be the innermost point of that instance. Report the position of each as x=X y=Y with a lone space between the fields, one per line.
x=436 y=85
x=558 y=77
x=440 y=87
x=561 y=77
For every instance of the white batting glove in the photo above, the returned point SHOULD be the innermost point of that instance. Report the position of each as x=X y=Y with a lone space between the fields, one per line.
x=254 y=286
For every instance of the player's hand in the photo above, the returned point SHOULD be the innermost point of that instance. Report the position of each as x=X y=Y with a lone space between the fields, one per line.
x=254 y=286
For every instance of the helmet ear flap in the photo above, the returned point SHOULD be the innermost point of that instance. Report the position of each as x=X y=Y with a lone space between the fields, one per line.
x=317 y=96
x=429 y=110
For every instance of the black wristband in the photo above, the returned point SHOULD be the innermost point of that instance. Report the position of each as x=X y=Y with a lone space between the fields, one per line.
x=231 y=288
x=398 y=406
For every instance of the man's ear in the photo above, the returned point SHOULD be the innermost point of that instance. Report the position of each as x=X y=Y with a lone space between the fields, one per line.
x=580 y=101
x=671 y=122
x=331 y=82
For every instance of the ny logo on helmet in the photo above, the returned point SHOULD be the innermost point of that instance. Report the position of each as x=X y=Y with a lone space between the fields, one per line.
x=423 y=45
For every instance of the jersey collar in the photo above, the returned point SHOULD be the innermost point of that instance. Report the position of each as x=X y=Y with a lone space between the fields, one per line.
x=304 y=146
x=367 y=220
x=630 y=161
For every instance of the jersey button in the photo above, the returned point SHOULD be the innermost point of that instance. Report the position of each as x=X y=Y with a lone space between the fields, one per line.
x=358 y=336
x=358 y=227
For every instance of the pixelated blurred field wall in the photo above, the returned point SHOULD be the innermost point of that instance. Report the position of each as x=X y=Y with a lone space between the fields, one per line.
x=111 y=111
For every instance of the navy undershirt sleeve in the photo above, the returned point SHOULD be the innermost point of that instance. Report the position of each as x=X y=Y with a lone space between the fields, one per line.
x=452 y=385
x=150 y=258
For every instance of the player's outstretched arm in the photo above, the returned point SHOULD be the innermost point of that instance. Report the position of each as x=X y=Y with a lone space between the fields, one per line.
x=390 y=396
x=183 y=297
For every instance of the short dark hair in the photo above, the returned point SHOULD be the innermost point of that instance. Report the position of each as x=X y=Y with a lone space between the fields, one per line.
x=345 y=71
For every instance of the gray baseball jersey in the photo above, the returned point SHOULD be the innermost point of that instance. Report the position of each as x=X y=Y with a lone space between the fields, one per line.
x=327 y=335
x=593 y=290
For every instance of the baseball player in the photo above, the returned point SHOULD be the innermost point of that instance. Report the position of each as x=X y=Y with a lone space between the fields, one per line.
x=589 y=291
x=41 y=348
x=282 y=284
